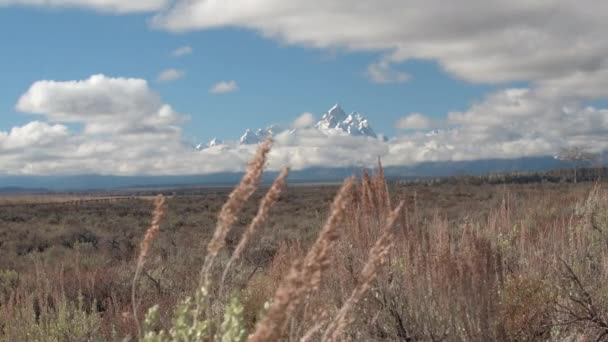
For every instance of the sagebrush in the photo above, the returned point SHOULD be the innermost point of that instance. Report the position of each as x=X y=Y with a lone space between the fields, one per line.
x=384 y=262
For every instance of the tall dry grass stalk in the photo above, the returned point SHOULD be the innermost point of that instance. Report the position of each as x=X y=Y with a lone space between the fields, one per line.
x=376 y=258
x=304 y=275
x=267 y=203
x=381 y=186
x=160 y=210
x=233 y=206
x=532 y=267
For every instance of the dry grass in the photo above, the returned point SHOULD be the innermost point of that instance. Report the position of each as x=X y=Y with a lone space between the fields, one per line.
x=304 y=275
x=449 y=263
x=377 y=257
x=160 y=210
x=233 y=206
x=15 y=200
x=266 y=204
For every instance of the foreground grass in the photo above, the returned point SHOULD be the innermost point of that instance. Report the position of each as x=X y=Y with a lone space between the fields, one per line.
x=511 y=265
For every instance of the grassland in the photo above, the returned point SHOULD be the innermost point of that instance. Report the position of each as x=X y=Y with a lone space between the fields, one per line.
x=462 y=262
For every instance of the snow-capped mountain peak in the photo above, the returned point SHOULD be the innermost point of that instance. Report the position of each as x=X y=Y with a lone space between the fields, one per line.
x=335 y=121
x=251 y=137
x=211 y=143
x=214 y=142
x=332 y=118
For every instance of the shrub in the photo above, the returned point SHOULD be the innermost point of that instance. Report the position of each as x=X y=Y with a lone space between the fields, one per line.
x=9 y=280
x=495 y=263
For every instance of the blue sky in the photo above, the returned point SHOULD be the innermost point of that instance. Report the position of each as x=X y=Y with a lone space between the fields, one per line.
x=276 y=82
x=92 y=86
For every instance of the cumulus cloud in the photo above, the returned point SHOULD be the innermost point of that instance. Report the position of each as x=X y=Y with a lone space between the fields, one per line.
x=90 y=99
x=33 y=134
x=224 y=87
x=103 y=104
x=127 y=129
x=415 y=121
x=303 y=121
x=576 y=86
x=170 y=75
x=110 y=6
x=528 y=115
x=182 y=51
x=310 y=147
x=556 y=47
x=508 y=123
x=383 y=72
x=498 y=41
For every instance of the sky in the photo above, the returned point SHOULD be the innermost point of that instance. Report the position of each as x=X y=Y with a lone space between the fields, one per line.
x=128 y=87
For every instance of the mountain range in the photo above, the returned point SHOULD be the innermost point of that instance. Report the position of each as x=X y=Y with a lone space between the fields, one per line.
x=334 y=122
x=38 y=184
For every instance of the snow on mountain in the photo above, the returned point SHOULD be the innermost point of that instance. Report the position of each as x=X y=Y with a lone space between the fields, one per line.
x=332 y=119
x=251 y=137
x=213 y=142
x=356 y=124
x=335 y=121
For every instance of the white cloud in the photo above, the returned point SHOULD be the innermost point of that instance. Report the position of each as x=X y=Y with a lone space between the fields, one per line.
x=223 y=87
x=109 y=6
x=303 y=121
x=96 y=97
x=495 y=42
x=509 y=123
x=170 y=75
x=33 y=134
x=556 y=47
x=415 y=121
x=310 y=148
x=103 y=104
x=383 y=72
x=182 y=51
x=127 y=129
x=576 y=86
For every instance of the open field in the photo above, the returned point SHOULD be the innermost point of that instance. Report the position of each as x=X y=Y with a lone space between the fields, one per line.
x=36 y=200
x=467 y=262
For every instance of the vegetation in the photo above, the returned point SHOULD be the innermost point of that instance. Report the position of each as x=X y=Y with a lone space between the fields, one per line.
x=578 y=156
x=449 y=262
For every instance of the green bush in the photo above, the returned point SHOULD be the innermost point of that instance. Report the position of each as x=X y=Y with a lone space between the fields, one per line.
x=189 y=323
x=49 y=319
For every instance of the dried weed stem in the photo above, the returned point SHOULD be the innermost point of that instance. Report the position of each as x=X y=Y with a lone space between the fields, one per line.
x=158 y=214
x=304 y=276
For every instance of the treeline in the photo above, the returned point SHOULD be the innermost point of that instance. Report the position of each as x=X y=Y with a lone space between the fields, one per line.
x=550 y=176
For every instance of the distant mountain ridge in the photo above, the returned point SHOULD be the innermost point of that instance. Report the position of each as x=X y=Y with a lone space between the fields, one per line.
x=310 y=175
x=334 y=122
x=251 y=137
